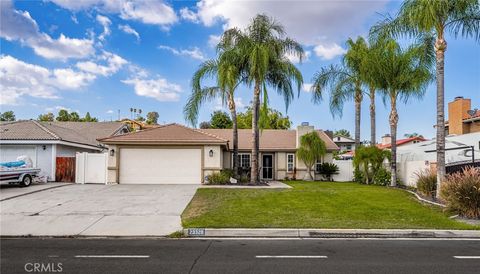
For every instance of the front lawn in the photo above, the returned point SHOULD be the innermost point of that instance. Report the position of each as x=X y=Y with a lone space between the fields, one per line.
x=314 y=205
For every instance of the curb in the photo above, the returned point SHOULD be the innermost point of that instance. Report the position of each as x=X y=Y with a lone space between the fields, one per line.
x=329 y=233
x=35 y=191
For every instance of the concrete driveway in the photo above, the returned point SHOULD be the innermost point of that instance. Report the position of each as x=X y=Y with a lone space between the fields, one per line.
x=97 y=210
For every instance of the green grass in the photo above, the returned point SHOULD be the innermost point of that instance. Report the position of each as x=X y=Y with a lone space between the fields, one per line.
x=314 y=205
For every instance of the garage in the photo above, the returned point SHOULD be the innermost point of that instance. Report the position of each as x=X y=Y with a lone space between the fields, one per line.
x=164 y=166
x=11 y=152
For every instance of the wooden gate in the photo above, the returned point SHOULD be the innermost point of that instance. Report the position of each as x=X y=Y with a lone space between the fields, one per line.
x=65 y=171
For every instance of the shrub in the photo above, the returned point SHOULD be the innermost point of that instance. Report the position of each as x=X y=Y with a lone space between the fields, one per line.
x=427 y=183
x=218 y=178
x=358 y=176
x=369 y=160
x=461 y=192
x=227 y=172
x=382 y=177
x=328 y=169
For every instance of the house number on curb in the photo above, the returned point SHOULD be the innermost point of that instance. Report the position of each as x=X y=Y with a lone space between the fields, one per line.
x=196 y=232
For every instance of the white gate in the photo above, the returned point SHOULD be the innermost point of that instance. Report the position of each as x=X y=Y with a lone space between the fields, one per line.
x=345 y=172
x=91 y=168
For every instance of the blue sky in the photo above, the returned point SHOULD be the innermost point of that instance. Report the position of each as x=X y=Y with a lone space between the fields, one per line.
x=103 y=56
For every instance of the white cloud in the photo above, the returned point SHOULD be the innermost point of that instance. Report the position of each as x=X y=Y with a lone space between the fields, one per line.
x=159 y=88
x=188 y=15
x=309 y=22
x=113 y=64
x=328 y=52
x=105 y=22
x=110 y=111
x=307 y=87
x=220 y=106
x=155 y=12
x=295 y=59
x=18 y=25
x=213 y=40
x=194 y=53
x=50 y=109
x=129 y=30
x=19 y=79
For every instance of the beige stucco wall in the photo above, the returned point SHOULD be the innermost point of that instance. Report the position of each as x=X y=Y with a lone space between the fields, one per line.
x=112 y=165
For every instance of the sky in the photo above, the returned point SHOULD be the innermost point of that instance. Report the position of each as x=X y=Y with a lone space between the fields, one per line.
x=107 y=56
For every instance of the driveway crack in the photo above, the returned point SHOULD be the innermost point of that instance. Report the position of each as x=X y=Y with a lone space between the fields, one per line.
x=91 y=224
x=199 y=256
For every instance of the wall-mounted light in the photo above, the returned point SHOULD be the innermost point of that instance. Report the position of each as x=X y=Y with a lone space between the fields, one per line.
x=44 y=147
x=210 y=153
x=112 y=152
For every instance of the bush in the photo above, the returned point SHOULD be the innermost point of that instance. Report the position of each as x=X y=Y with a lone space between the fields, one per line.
x=382 y=177
x=228 y=172
x=426 y=183
x=358 y=176
x=218 y=178
x=328 y=169
x=461 y=192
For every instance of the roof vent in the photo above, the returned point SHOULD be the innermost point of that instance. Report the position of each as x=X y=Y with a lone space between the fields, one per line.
x=458 y=98
x=305 y=124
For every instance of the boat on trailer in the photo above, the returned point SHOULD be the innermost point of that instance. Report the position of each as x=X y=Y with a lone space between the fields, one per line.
x=18 y=172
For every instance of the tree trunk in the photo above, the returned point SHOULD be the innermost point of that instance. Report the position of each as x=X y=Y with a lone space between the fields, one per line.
x=358 y=109
x=233 y=113
x=373 y=139
x=255 y=135
x=308 y=175
x=393 y=132
x=440 y=48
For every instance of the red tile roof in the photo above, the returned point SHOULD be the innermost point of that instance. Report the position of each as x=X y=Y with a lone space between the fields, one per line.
x=402 y=142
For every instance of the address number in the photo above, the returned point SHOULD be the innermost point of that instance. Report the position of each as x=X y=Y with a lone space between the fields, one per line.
x=196 y=232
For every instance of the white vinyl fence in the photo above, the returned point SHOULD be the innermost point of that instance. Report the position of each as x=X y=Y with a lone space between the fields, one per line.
x=345 y=172
x=407 y=171
x=91 y=168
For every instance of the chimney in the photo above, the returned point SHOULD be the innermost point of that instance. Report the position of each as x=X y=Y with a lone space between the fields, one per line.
x=303 y=129
x=386 y=139
x=457 y=111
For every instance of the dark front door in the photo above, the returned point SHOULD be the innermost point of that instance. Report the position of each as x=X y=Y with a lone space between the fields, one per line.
x=267 y=166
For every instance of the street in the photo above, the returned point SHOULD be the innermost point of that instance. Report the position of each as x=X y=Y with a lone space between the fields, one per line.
x=63 y=255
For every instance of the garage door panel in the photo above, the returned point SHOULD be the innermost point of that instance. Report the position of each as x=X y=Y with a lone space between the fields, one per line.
x=160 y=166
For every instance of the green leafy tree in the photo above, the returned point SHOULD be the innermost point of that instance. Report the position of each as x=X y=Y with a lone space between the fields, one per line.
x=74 y=117
x=417 y=17
x=63 y=115
x=261 y=50
x=274 y=119
x=311 y=149
x=412 y=135
x=48 y=117
x=7 y=116
x=220 y=119
x=89 y=118
x=342 y=132
x=205 y=125
x=152 y=118
x=344 y=82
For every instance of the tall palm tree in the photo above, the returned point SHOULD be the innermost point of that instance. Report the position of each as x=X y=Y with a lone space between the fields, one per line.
x=458 y=17
x=228 y=75
x=402 y=74
x=263 y=48
x=345 y=82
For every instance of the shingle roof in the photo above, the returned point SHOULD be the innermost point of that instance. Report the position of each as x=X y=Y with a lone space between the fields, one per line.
x=165 y=134
x=75 y=132
x=270 y=139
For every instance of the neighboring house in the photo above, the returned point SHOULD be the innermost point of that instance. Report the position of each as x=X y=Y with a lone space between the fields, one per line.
x=52 y=145
x=175 y=154
x=387 y=141
x=344 y=143
x=137 y=125
x=462 y=119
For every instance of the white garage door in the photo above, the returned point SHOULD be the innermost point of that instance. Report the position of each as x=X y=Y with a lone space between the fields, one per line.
x=160 y=166
x=9 y=153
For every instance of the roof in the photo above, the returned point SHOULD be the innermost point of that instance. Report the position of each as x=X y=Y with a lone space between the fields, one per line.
x=270 y=139
x=342 y=139
x=85 y=133
x=166 y=134
x=402 y=142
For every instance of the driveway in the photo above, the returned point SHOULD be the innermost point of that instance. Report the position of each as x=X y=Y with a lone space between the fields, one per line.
x=97 y=210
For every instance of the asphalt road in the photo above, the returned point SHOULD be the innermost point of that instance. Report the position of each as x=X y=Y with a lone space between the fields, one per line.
x=238 y=256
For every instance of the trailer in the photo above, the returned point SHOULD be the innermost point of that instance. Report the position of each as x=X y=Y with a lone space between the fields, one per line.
x=22 y=176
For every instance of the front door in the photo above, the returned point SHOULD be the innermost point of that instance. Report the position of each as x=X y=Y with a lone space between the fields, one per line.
x=267 y=166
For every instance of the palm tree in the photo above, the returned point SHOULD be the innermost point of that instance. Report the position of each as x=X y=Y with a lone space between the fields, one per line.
x=402 y=74
x=228 y=78
x=344 y=81
x=458 y=17
x=263 y=48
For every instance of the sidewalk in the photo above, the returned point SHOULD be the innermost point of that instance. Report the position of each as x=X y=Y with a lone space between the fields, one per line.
x=330 y=233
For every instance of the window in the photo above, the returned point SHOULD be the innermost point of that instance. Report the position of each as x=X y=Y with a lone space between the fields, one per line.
x=244 y=160
x=290 y=162
x=318 y=166
x=349 y=147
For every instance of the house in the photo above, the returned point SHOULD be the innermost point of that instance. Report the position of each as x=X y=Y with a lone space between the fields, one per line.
x=462 y=119
x=344 y=143
x=52 y=145
x=387 y=141
x=175 y=154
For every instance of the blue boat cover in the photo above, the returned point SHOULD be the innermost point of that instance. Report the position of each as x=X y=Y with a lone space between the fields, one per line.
x=13 y=164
